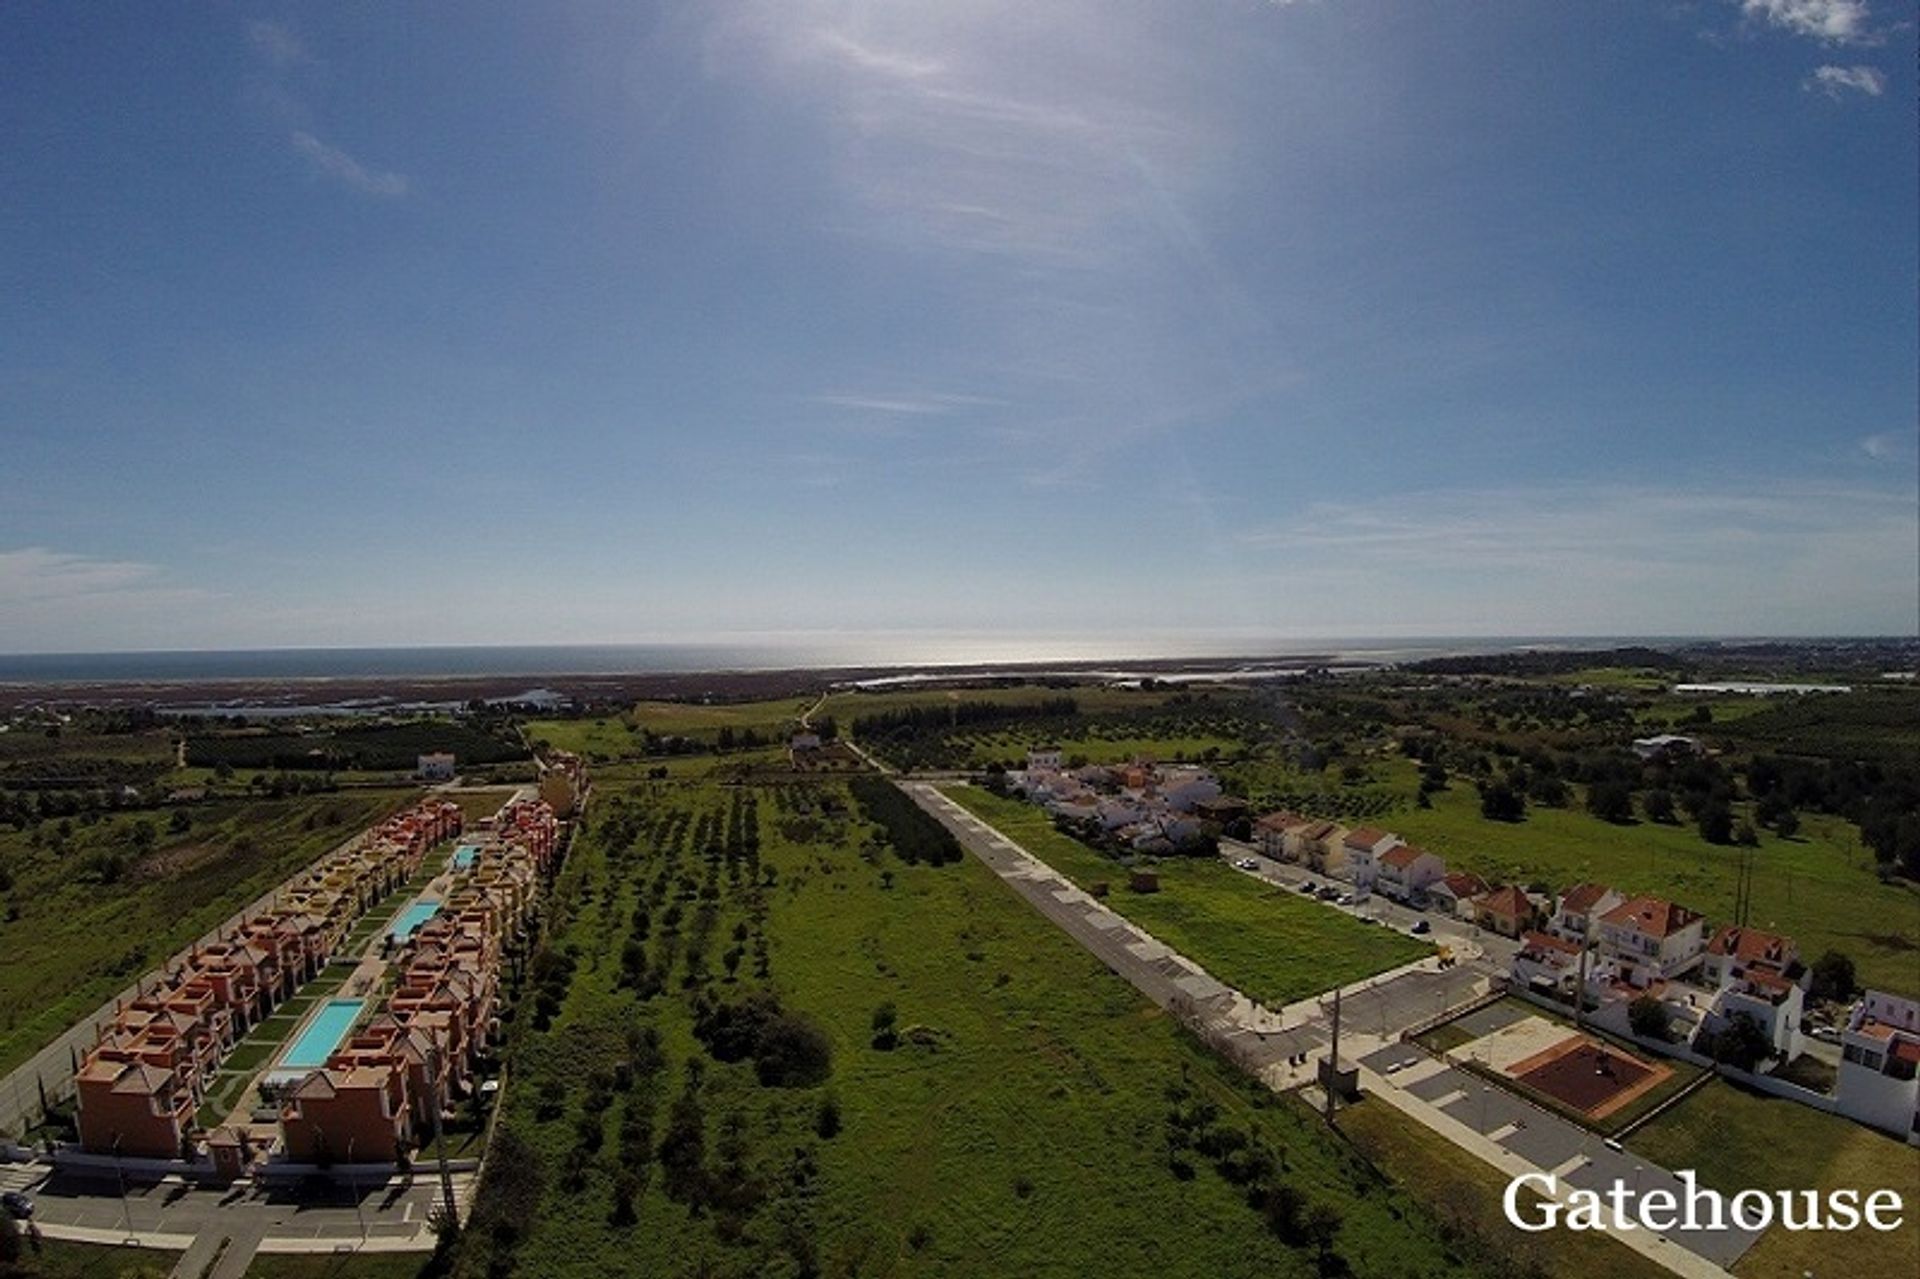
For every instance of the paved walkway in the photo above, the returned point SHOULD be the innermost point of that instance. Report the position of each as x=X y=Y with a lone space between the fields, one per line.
x=1489 y=1123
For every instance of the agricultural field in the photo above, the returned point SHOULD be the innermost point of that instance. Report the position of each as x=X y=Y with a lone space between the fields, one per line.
x=1818 y=886
x=1735 y=1139
x=635 y=732
x=93 y=901
x=350 y=746
x=759 y=1042
x=1270 y=943
x=1092 y=725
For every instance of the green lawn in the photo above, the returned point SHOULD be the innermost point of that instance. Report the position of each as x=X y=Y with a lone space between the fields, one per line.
x=1819 y=887
x=1272 y=944
x=1019 y=1127
x=58 y=1259
x=1735 y=1140
x=77 y=941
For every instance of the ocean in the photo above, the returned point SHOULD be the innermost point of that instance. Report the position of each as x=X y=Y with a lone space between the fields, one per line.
x=821 y=651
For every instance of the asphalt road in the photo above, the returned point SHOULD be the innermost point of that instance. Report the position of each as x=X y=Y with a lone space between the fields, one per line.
x=1549 y=1142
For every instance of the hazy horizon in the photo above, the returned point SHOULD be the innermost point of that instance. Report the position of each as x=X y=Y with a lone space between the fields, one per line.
x=547 y=326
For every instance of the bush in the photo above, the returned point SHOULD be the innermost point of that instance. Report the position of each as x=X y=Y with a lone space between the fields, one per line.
x=792 y=1053
x=1649 y=1017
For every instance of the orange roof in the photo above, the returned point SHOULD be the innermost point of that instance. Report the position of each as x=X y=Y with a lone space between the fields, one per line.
x=1581 y=897
x=1508 y=901
x=1403 y=856
x=1750 y=945
x=1365 y=837
x=1654 y=916
x=1546 y=941
x=1463 y=884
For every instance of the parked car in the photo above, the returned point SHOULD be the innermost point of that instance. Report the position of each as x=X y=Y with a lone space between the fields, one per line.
x=1421 y=928
x=1328 y=894
x=1247 y=863
x=17 y=1205
x=1309 y=887
x=1344 y=899
x=1826 y=1034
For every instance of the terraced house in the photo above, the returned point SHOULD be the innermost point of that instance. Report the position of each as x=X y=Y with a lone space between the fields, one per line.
x=145 y=1077
x=376 y=1098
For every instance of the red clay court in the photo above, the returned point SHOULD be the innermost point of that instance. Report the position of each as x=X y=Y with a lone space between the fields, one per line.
x=1591 y=1077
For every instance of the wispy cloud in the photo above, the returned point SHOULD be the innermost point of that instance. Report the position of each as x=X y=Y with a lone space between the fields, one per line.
x=1837 y=81
x=47 y=596
x=913 y=405
x=1889 y=446
x=277 y=44
x=331 y=162
x=1828 y=21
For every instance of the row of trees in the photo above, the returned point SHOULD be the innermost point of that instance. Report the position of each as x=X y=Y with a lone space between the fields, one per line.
x=915 y=836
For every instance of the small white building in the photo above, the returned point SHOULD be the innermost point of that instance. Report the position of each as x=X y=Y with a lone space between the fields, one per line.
x=1664 y=744
x=435 y=767
x=1044 y=759
x=1879 y=1081
x=1545 y=963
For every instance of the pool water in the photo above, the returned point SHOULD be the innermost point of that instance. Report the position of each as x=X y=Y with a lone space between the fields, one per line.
x=412 y=917
x=465 y=856
x=323 y=1034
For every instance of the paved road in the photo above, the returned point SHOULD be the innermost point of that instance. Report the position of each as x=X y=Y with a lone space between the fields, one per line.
x=1267 y=1041
x=1579 y=1157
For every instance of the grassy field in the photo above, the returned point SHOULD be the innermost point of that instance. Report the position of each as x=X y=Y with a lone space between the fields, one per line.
x=58 y=1259
x=1019 y=1125
x=1465 y=1194
x=1735 y=1140
x=1092 y=699
x=476 y=804
x=1269 y=943
x=76 y=940
x=1819 y=887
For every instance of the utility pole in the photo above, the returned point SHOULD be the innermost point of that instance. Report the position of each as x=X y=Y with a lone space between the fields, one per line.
x=439 y=1144
x=1580 y=991
x=1333 y=1058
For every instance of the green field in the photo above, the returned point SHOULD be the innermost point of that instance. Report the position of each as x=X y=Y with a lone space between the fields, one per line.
x=1092 y=699
x=76 y=940
x=57 y=1259
x=1819 y=887
x=1271 y=944
x=1018 y=1126
x=1736 y=1140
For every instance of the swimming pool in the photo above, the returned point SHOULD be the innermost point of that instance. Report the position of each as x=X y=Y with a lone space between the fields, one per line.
x=323 y=1034
x=465 y=856
x=411 y=918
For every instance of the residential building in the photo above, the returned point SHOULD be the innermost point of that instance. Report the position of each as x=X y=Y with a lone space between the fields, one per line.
x=1363 y=846
x=1879 y=1079
x=1322 y=847
x=1737 y=952
x=1546 y=963
x=1453 y=894
x=435 y=767
x=1044 y=759
x=1579 y=908
x=1506 y=910
x=1405 y=872
x=1649 y=939
x=1271 y=832
x=1664 y=745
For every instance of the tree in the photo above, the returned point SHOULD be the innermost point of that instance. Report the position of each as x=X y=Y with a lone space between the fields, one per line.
x=1745 y=835
x=1787 y=824
x=1610 y=802
x=1741 y=1043
x=1715 y=819
x=1321 y=1226
x=1833 y=977
x=1649 y=1017
x=1500 y=802
x=1657 y=804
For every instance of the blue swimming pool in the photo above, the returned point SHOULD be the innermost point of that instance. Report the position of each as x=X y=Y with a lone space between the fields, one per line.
x=323 y=1034
x=465 y=856
x=412 y=917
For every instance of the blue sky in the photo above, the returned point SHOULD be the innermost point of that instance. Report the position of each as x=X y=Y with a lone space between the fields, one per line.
x=356 y=324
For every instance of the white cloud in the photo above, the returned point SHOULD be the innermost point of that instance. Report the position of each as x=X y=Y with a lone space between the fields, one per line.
x=1828 y=21
x=277 y=44
x=1835 y=81
x=911 y=404
x=49 y=597
x=330 y=161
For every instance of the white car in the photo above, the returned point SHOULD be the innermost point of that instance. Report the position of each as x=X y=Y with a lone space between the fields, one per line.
x=1247 y=863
